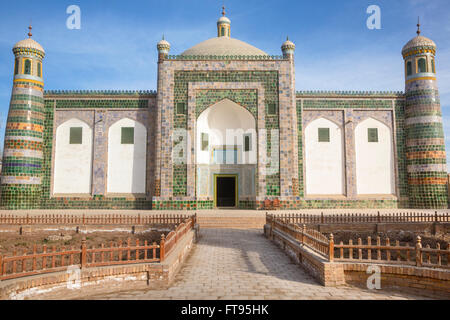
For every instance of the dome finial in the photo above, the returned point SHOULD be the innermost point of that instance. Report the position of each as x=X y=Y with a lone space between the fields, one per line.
x=223 y=11
x=30 y=28
x=418 y=26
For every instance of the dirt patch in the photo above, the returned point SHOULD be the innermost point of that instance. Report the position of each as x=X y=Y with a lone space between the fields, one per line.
x=10 y=243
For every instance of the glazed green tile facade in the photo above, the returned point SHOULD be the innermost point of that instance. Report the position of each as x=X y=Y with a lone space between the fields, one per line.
x=401 y=158
x=246 y=98
x=87 y=104
x=301 y=192
x=92 y=202
x=364 y=101
x=48 y=148
x=206 y=98
x=347 y=104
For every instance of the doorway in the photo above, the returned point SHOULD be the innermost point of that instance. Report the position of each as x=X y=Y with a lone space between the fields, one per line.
x=226 y=191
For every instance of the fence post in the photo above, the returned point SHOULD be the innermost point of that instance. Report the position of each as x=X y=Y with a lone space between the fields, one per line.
x=321 y=217
x=1 y=265
x=419 y=251
x=162 y=248
x=378 y=217
x=139 y=219
x=83 y=219
x=331 y=249
x=303 y=233
x=83 y=252
x=435 y=216
x=271 y=227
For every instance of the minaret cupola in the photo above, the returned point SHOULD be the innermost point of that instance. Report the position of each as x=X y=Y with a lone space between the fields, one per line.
x=223 y=25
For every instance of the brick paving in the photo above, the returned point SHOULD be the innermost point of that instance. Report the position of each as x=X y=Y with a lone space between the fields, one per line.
x=236 y=264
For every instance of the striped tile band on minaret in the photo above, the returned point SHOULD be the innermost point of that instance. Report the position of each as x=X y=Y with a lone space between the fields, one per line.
x=425 y=143
x=23 y=147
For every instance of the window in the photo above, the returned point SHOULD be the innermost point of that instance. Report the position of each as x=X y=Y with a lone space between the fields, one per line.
x=324 y=134
x=272 y=108
x=372 y=134
x=205 y=141
x=222 y=32
x=39 y=69
x=409 y=68
x=16 y=67
x=127 y=135
x=76 y=135
x=247 y=142
x=225 y=156
x=27 y=67
x=433 y=66
x=180 y=108
x=422 y=65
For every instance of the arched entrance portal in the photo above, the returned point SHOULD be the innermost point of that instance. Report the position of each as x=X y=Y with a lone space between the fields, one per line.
x=226 y=154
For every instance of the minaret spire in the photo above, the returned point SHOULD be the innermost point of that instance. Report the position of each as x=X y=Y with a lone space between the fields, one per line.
x=418 y=26
x=223 y=11
x=30 y=28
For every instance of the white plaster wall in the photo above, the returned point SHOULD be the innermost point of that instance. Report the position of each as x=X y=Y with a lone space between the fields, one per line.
x=127 y=162
x=73 y=162
x=226 y=123
x=324 y=161
x=374 y=160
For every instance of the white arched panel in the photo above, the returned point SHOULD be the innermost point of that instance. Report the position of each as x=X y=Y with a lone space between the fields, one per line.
x=374 y=160
x=226 y=124
x=127 y=162
x=324 y=161
x=73 y=162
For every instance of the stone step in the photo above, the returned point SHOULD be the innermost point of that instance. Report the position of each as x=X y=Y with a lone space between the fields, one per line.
x=232 y=222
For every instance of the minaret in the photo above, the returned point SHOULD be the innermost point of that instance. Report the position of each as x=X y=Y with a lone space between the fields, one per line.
x=425 y=143
x=288 y=49
x=23 y=148
x=223 y=25
x=163 y=49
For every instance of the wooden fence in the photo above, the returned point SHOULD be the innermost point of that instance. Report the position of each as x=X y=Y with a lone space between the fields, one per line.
x=311 y=238
x=104 y=219
x=397 y=217
x=358 y=252
x=393 y=253
x=52 y=259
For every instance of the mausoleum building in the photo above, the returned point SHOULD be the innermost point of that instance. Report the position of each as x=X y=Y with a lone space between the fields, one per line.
x=225 y=128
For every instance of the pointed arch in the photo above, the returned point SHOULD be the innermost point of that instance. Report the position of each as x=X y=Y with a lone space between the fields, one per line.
x=374 y=158
x=73 y=158
x=127 y=157
x=324 y=160
x=229 y=124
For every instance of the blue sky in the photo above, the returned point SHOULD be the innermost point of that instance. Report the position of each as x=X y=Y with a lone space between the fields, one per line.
x=116 y=46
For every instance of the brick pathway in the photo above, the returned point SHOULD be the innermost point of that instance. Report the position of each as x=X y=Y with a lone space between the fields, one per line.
x=238 y=264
